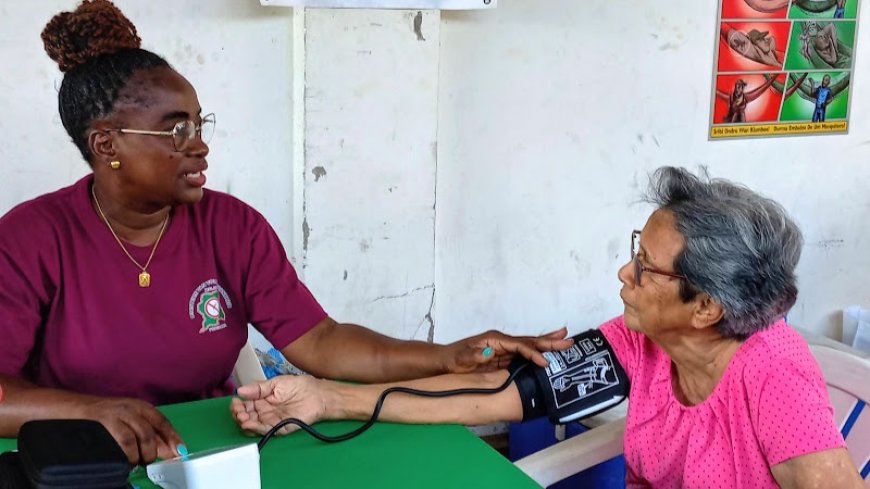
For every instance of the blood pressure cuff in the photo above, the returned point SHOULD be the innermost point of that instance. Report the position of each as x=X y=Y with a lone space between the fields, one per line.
x=581 y=381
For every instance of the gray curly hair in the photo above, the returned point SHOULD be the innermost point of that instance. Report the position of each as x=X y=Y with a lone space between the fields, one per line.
x=741 y=248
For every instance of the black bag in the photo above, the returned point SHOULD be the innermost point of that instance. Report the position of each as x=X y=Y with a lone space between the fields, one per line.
x=11 y=474
x=69 y=454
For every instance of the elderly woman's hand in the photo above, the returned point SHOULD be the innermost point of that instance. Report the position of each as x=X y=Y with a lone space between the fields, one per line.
x=265 y=404
x=494 y=350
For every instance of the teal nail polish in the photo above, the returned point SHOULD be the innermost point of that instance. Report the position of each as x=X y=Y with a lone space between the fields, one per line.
x=182 y=450
x=487 y=351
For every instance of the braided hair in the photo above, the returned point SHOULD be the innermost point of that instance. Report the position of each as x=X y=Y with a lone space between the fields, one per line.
x=97 y=49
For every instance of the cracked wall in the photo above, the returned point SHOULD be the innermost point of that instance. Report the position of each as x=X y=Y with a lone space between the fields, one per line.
x=369 y=205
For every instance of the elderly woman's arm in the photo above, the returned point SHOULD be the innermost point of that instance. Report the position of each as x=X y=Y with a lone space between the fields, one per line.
x=819 y=470
x=266 y=403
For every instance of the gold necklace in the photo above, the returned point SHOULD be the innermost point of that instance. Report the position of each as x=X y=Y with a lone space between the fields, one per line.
x=144 y=276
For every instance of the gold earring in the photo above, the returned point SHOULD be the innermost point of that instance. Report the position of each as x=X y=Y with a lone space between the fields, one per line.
x=115 y=164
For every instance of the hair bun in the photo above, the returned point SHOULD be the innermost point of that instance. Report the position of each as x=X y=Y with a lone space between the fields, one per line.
x=95 y=28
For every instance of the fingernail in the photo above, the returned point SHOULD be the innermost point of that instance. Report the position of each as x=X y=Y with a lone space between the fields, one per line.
x=487 y=351
x=182 y=451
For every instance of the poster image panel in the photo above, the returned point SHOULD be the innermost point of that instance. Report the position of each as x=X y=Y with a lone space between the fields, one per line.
x=820 y=45
x=747 y=98
x=752 y=46
x=823 y=9
x=816 y=97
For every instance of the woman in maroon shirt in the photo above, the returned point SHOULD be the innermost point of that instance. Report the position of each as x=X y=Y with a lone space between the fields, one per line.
x=136 y=284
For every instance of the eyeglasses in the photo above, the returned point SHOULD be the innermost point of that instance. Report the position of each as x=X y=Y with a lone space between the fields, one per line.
x=639 y=269
x=182 y=134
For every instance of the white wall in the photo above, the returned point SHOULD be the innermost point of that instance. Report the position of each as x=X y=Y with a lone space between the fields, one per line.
x=551 y=115
x=238 y=57
x=371 y=93
x=515 y=141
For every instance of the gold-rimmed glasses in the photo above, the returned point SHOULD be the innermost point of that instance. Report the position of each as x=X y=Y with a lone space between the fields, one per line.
x=182 y=134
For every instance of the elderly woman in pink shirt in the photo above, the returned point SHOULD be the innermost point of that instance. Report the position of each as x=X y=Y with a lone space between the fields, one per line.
x=723 y=393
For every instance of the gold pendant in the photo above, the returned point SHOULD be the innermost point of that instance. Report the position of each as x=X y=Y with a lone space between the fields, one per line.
x=144 y=279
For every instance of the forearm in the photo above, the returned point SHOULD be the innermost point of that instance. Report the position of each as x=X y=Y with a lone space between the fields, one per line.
x=818 y=470
x=24 y=401
x=379 y=358
x=352 y=352
x=344 y=401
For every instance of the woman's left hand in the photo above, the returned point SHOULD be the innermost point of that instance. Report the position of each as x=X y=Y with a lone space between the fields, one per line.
x=265 y=404
x=494 y=350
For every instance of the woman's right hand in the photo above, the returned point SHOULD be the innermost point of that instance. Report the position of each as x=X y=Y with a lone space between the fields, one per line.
x=140 y=429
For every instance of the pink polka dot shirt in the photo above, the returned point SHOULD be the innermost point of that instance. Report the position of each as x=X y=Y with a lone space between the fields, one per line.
x=770 y=405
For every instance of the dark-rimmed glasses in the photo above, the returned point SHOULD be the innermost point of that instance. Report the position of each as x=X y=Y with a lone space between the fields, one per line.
x=182 y=134
x=639 y=269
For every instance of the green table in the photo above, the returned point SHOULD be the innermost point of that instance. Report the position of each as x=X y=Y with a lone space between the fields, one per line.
x=387 y=456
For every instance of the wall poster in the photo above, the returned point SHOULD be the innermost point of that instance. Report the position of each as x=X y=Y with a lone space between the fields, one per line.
x=782 y=67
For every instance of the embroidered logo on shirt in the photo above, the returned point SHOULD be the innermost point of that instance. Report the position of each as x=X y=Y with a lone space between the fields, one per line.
x=210 y=309
x=206 y=301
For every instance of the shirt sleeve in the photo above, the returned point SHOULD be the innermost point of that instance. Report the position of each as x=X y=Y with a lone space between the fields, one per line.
x=26 y=288
x=279 y=305
x=626 y=344
x=793 y=413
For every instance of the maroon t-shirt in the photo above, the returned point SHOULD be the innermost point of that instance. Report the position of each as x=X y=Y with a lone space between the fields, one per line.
x=72 y=314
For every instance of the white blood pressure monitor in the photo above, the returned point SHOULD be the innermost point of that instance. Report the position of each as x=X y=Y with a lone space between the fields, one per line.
x=235 y=467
